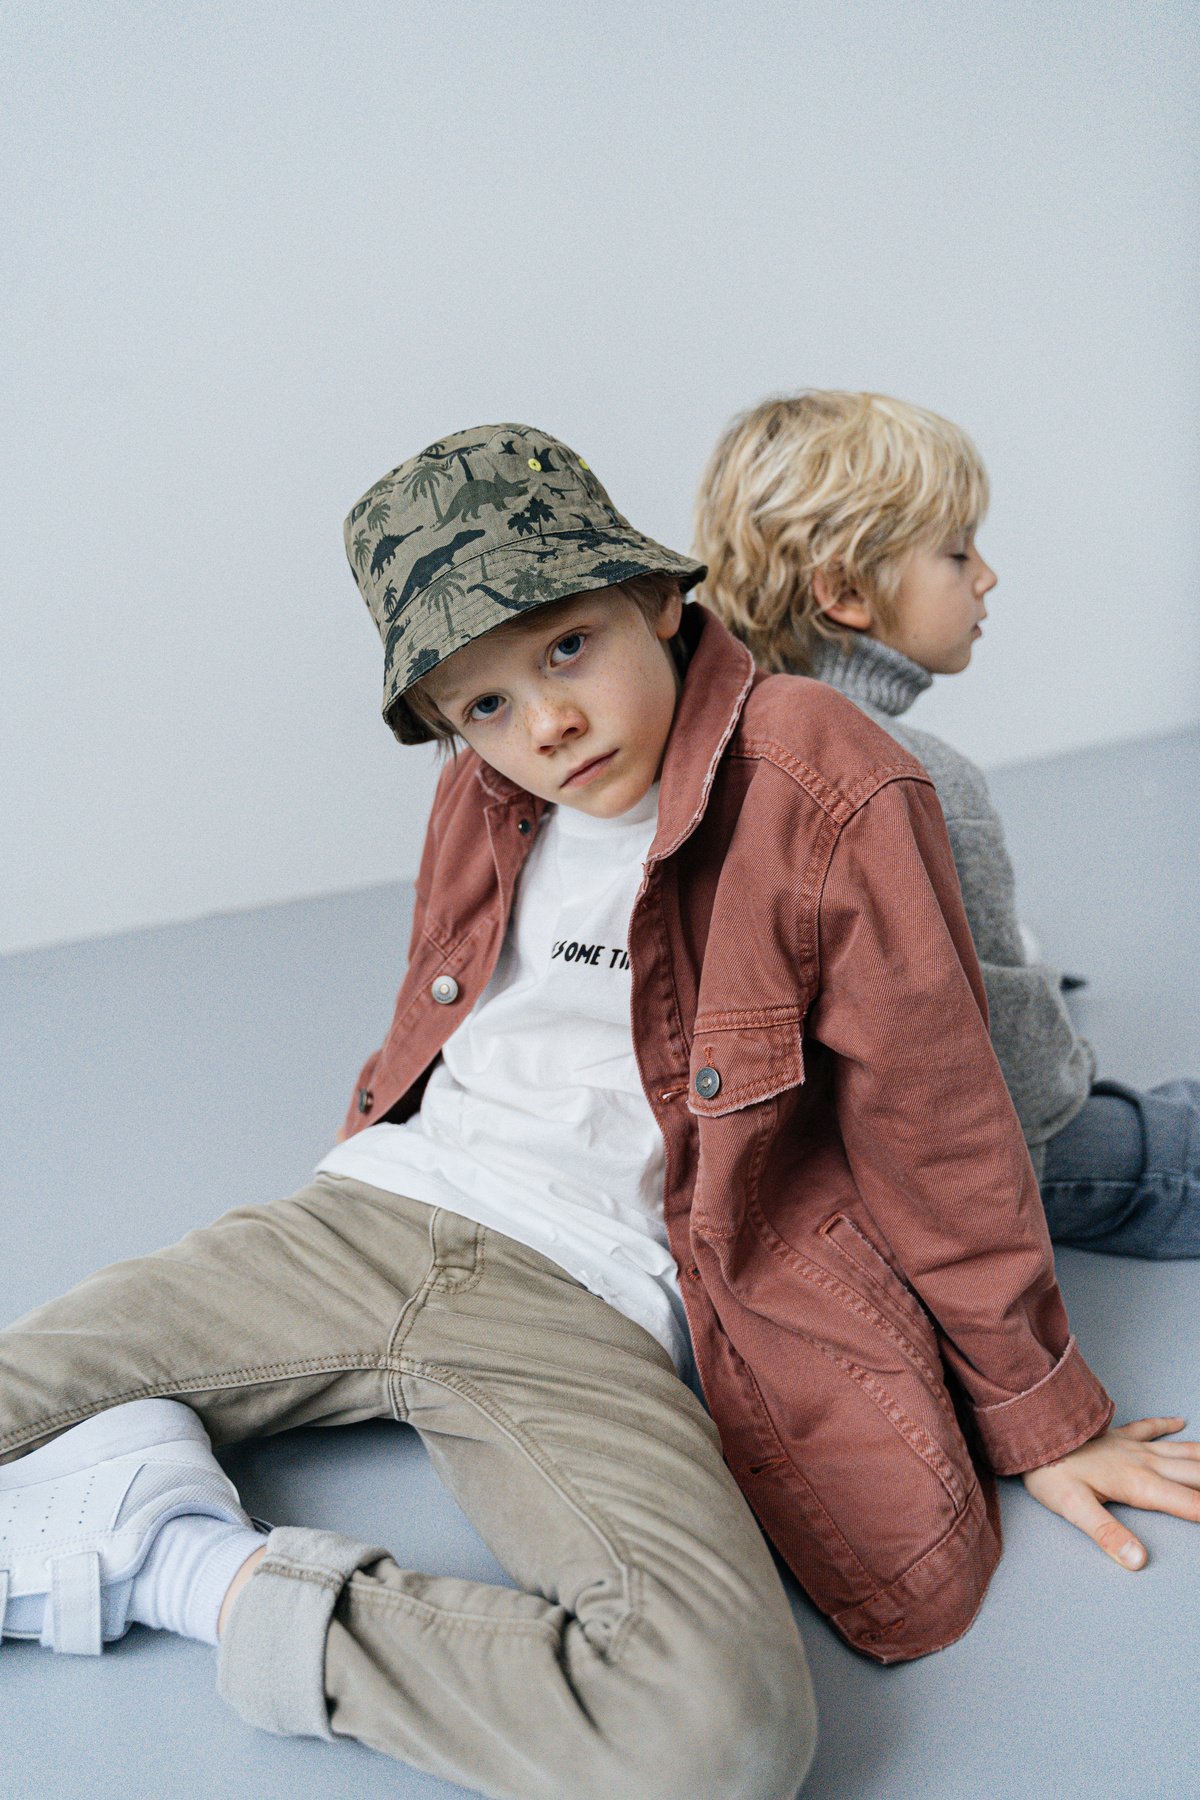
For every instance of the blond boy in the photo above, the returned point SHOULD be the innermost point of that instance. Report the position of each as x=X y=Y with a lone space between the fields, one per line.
x=839 y=529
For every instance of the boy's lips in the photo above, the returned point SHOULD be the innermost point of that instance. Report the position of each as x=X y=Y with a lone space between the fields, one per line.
x=585 y=771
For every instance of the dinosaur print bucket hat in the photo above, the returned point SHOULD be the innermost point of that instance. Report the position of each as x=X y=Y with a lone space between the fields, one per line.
x=475 y=529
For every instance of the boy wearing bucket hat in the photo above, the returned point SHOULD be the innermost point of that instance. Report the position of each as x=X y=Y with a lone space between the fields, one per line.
x=690 y=996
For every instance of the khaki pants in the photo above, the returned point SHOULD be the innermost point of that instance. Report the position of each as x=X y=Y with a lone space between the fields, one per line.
x=648 y=1650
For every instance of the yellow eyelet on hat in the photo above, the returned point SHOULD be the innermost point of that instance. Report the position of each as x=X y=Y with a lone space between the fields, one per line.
x=535 y=465
x=584 y=465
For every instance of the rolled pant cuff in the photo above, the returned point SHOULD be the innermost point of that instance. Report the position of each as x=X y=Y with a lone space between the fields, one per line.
x=271 y=1662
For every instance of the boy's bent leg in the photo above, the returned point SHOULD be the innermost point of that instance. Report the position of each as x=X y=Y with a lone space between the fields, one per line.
x=274 y=1316
x=649 y=1650
x=1123 y=1176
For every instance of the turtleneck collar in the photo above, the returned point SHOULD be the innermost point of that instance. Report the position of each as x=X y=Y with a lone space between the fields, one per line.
x=871 y=673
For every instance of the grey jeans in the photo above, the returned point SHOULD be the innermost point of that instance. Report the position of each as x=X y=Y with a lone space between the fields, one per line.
x=648 y=1650
x=1123 y=1176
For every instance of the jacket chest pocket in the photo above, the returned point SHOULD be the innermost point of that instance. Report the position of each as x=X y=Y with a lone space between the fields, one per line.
x=741 y=1058
x=743 y=1067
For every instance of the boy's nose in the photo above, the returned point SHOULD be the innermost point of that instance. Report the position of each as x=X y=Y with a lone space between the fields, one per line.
x=551 y=723
x=986 y=579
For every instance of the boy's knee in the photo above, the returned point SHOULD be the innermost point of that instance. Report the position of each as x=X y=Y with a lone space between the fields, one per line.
x=768 y=1721
x=739 y=1722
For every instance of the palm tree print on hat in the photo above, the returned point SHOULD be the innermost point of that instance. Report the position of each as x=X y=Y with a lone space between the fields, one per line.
x=461 y=453
x=443 y=591
x=384 y=485
x=439 y=453
x=425 y=480
x=531 y=518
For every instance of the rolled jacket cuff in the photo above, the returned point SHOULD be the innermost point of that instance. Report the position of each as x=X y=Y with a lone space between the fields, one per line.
x=1061 y=1411
x=271 y=1661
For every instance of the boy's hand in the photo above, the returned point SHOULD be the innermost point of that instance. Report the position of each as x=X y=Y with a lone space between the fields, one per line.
x=1125 y=1465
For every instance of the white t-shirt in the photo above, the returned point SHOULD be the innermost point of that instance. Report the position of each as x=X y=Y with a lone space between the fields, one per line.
x=534 y=1122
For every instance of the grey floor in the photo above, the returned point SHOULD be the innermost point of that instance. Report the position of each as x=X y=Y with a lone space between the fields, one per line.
x=149 y=1081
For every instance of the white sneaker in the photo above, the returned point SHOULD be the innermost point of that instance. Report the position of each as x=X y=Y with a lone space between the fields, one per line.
x=78 y=1518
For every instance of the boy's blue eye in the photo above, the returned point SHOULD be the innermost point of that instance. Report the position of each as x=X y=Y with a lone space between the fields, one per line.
x=485 y=708
x=570 y=645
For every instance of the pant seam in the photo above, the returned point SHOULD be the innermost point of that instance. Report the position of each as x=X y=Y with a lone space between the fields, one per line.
x=446 y=1284
x=388 y=1599
x=406 y=1318
x=251 y=1376
x=294 y=1572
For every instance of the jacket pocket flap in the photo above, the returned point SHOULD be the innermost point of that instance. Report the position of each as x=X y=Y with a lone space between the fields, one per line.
x=740 y=1058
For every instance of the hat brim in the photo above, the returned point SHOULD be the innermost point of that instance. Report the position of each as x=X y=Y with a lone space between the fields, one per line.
x=548 y=571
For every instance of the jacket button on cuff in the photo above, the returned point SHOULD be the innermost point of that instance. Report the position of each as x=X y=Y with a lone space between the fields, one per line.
x=708 y=1084
x=524 y=827
x=366 y=1100
x=445 y=990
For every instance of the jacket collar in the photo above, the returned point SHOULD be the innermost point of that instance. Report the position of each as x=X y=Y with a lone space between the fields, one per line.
x=871 y=673
x=720 y=674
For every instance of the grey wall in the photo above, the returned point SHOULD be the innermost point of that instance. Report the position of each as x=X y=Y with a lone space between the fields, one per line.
x=255 y=254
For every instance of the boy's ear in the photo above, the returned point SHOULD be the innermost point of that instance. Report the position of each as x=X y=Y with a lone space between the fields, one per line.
x=670 y=618
x=838 y=601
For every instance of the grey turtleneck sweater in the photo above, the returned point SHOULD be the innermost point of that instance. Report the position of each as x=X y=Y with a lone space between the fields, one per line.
x=1047 y=1066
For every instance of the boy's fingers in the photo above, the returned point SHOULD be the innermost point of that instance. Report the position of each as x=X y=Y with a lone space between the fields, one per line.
x=1178 y=1452
x=1157 y=1493
x=1081 y=1508
x=1149 y=1428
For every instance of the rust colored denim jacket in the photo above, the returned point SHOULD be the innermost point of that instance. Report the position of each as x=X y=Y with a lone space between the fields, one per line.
x=864 y=1257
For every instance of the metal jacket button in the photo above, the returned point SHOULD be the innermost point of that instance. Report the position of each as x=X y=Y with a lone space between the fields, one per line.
x=366 y=1100
x=445 y=990
x=708 y=1084
x=524 y=827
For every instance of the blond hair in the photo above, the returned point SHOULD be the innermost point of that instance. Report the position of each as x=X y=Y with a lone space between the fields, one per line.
x=649 y=593
x=846 y=483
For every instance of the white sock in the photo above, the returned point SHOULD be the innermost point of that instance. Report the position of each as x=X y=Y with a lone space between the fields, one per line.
x=183 y=1582
x=180 y=1587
